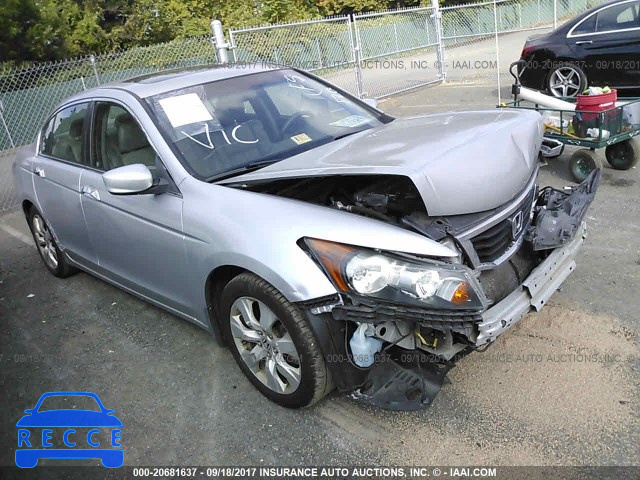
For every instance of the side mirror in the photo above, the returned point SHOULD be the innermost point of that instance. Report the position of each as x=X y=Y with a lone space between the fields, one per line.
x=128 y=180
x=372 y=102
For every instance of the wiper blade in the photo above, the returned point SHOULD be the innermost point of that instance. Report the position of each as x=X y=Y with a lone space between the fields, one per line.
x=349 y=133
x=251 y=167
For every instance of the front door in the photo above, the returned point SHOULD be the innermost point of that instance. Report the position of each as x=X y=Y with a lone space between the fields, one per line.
x=138 y=238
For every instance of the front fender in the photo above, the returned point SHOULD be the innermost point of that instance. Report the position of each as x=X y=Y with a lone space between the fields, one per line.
x=298 y=278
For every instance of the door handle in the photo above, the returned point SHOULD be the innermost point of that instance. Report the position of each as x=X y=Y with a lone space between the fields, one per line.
x=91 y=192
x=39 y=171
x=584 y=42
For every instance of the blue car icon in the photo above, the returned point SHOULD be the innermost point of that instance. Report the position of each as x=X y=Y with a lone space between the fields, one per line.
x=61 y=423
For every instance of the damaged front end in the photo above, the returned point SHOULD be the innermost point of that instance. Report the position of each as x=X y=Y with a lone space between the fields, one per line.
x=400 y=322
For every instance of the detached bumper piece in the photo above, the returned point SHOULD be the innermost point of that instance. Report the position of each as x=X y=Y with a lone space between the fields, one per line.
x=404 y=381
x=559 y=214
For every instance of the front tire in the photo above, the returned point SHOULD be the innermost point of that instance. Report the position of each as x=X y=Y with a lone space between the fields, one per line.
x=566 y=80
x=273 y=343
x=51 y=255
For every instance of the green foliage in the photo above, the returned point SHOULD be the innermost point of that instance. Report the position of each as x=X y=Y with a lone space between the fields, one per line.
x=42 y=30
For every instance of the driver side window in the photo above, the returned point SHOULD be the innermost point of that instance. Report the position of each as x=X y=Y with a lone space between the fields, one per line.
x=118 y=140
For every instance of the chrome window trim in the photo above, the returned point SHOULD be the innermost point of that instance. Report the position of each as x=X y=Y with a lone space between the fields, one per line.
x=578 y=35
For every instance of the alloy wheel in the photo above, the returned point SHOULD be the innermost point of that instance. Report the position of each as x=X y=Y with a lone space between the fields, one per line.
x=565 y=82
x=265 y=345
x=45 y=242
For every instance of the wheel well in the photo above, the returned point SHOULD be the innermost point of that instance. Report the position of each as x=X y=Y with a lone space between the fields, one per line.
x=26 y=206
x=216 y=281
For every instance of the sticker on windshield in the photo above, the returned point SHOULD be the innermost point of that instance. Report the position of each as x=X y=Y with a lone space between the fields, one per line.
x=185 y=109
x=351 y=121
x=301 y=138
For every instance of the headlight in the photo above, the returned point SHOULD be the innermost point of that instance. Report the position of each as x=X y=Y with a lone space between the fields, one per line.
x=425 y=283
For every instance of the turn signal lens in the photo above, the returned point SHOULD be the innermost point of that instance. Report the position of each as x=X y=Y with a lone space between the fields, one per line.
x=331 y=255
x=461 y=294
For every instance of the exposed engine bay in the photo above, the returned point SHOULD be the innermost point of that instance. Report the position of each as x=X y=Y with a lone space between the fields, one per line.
x=414 y=346
x=390 y=198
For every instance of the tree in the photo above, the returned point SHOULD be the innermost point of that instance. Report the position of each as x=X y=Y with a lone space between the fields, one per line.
x=16 y=19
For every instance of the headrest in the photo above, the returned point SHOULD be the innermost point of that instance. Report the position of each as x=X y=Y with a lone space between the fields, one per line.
x=130 y=135
x=75 y=127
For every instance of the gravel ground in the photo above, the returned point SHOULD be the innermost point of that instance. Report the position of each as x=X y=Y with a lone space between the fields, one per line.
x=531 y=399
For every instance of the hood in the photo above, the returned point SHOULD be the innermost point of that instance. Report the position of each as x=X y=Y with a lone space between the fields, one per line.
x=460 y=162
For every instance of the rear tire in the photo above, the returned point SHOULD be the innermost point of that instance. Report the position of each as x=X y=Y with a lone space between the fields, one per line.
x=623 y=155
x=273 y=343
x=582 y=163
x=52 y=257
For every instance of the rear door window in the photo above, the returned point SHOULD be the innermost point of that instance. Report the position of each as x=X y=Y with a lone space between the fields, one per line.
x=618 y=17
x=63 y=135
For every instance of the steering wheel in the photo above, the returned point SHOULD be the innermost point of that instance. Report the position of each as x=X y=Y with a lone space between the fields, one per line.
x=295 y=117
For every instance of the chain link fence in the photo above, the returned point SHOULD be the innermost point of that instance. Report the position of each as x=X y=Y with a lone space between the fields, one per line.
x=28 y=95
x=473 y=55
x=370 y=55
x=398 y=50
x=325 y=47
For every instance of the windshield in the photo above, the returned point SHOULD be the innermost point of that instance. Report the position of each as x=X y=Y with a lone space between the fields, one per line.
x=242 y=123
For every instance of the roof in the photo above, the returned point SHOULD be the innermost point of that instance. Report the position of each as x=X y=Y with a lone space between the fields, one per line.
x=161 y=82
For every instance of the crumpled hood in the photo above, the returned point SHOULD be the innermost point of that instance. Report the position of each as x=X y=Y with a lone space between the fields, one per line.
x=460 y=162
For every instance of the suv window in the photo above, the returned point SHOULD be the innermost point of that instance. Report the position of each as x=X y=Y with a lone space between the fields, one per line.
x=618 y=17
x=118 y=140
x=62 y=135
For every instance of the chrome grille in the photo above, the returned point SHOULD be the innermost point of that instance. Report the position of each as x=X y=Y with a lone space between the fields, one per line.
x=491 y=244
x=496 y=241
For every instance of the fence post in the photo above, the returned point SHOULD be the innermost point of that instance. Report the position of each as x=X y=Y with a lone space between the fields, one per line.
x=555 y=14
x=221 y=45
x=320 y=62
x=437 y=16
x=495 y=26
x=4 y=124
x=520 y=15
x=92 y=59
x=355 y=46
x=395 y=33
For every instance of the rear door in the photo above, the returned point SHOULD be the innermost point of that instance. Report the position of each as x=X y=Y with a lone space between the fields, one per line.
x=608 y=41
x=138 y=238
x=56 y=179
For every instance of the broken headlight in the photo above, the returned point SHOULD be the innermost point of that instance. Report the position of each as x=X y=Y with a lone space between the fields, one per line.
x=379 y=275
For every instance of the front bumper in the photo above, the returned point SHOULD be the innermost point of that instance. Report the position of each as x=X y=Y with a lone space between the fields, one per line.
x=534 y=292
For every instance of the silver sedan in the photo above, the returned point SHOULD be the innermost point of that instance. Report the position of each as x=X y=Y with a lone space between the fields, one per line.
x=327 y=244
